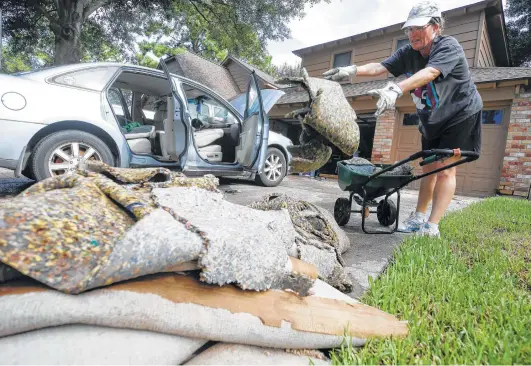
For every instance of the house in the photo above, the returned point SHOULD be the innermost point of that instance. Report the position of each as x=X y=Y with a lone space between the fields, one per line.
x=505 y=163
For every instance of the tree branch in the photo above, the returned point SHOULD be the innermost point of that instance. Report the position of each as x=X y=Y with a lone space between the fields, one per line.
x=54 y=23
x=61 y=7
x=56 y=3
x=218 y=17
x=199 y=11
x=220 y=3
x=92 y=6
x=174 y=39
x=206 y=5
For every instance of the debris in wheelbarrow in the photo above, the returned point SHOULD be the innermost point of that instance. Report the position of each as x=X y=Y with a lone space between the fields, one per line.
x=327 y=120
x=367 y=182
x=365 y=167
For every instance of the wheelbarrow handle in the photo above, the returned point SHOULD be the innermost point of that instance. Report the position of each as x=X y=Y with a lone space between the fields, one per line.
x=430 y=156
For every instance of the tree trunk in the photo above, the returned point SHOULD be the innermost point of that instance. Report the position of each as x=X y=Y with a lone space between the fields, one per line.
x=68 y=32
x=67 y=50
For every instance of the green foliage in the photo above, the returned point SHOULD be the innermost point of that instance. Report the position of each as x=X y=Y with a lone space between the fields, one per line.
x=289 y=70
x=519 y=31
x=13 y=62
x=212 y=31
x=467 y=298
x=97 y=45
x=109 y=29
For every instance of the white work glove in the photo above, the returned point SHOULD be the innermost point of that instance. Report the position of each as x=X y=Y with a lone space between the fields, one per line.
x=341 y=73
x=388 y=97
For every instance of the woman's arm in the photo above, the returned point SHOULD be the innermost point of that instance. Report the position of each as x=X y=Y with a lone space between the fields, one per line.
x=421 y=78
x=388 y=95
x=372 y=69
x=345 y=72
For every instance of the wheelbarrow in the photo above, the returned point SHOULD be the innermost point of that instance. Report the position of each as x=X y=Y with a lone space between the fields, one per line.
x=366 y=189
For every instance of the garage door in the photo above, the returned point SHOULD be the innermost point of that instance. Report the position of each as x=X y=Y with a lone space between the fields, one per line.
x=479 y=178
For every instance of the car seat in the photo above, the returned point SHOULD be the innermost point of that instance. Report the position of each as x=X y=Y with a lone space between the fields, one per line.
x=204 y=140
x=161 y=111
x=138 y=138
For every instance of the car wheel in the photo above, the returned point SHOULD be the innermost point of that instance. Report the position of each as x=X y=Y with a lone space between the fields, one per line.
x=27 y=172
x=274 y=169
x=61 y=152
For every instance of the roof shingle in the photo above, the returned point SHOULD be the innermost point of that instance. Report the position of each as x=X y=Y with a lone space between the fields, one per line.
x=264 y=76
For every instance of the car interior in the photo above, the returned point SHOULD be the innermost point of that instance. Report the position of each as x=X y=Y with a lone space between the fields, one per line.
x=140 y=103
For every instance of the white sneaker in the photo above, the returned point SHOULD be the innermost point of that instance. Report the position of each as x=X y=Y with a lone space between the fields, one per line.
x=412 y=223
x=430 y=230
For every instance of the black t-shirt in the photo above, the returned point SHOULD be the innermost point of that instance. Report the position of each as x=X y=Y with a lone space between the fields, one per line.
x=451 y=97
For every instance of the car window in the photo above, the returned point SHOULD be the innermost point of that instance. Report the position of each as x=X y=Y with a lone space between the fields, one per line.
x=206 y=108
x=252 y=100
x=149 y=104
x=220 y=112
x=94 y=78
x=115 y=101
x=128 y=96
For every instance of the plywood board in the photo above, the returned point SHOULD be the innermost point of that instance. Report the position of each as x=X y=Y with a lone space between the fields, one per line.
x=308 y=314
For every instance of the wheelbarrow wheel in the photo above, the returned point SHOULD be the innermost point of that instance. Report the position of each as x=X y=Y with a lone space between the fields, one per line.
x=386 y=212
x=342 y=211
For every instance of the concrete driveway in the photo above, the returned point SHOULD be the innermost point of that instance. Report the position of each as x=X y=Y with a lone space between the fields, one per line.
x=368 y=255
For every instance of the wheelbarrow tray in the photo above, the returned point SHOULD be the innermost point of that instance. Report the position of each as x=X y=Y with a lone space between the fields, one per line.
x=354 y=181
x=364 y=187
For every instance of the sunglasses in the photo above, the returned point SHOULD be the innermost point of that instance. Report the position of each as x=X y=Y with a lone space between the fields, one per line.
x=415 y=29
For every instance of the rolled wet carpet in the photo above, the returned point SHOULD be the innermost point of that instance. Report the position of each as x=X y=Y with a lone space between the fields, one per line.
x=328 y=120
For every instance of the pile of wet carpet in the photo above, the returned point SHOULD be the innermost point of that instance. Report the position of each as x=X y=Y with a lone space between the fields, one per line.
x=141 y=266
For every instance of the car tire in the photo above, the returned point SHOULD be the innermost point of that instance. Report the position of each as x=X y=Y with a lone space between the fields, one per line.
x=27 y=172
x=62 y=141
x=276 y=162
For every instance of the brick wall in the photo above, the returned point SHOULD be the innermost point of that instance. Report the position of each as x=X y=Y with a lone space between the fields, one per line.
x=516 y=170
x=383 y=138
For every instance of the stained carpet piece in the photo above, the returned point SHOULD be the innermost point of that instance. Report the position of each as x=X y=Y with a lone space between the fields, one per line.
x=320 y=240
x=246 y=246
x=327 y=120
x=78 y=232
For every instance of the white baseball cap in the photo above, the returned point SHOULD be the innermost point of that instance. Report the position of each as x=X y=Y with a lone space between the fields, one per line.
x=421 y=14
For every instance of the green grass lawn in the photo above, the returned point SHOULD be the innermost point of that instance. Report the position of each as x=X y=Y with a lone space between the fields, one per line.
x=467 y=297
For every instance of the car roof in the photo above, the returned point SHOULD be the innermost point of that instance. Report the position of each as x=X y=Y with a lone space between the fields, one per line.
x=54 y=70
x=45 y=73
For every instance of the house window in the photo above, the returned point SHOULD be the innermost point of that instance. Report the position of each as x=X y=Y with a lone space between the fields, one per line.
x=401 y=43
x=410 y=119
x=342 y=59
x=492 y=117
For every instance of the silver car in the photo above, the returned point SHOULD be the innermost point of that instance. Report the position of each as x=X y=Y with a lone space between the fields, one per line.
x=131 y=116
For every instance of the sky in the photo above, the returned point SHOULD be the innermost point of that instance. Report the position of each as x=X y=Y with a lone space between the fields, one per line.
x=342 y=18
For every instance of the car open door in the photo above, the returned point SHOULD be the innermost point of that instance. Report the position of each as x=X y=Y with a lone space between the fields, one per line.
x=175 y=128
x=252 y=148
